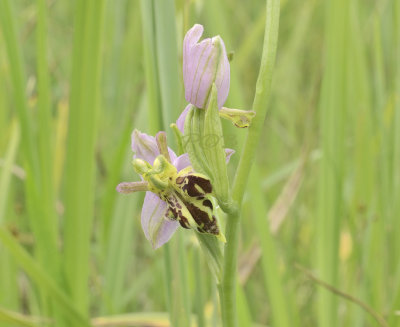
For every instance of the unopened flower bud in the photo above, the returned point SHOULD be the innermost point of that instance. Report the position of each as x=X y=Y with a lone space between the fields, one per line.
x=204 y=64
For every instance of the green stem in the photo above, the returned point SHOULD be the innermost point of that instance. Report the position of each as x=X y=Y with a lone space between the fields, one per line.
x=228 y=286
x=200 y=284
x=262 y=95
x=167 y=281
x=334 y=110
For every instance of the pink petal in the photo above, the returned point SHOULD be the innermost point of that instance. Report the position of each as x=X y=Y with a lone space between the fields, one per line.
x=145 y=147
x=180 y=123
x=191 y=38
x=201 y=73
x=182 y=162
x=222 y=80
x=157 y=229
x=229 y=153
x=204 y=63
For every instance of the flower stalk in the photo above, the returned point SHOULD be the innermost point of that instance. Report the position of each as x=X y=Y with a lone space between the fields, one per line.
x=262 y=95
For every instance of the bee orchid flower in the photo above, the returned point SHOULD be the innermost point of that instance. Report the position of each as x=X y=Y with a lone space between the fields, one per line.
x=156 y=228
x=175 y=194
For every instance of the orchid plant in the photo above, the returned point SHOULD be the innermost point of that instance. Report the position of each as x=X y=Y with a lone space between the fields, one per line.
x=188 y=189
x=179 y=190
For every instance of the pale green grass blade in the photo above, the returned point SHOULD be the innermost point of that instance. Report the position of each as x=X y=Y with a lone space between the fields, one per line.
x=113 y=180
x=199 y=300
x=285 y=171
x=42 y=223
x=42 y=279
x=6 y=169
x=332 y=123
x=80 y=165
x=17 y=71
x=169 y=287
x=45 y=133
x=380 y=238
x=17 y=319
x=142 y=280
x=244 y=315
x=278 y=300
x=167 y=63
x=4 y=105
x=150 y=67
x=119 y=248
x=156 y=319
x=394 y=320
x=123 y=226
x=125 y=99
x=8 y=271
x=8 y=281
x=44 y=105
x=364 y=204
x=250 y=44
x=181 y=281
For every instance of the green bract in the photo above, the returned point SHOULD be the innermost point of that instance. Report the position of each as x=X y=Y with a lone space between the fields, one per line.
x=204 y=143
x=239 y=118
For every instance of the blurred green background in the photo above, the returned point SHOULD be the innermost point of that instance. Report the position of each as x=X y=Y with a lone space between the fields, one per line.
x=76 y=77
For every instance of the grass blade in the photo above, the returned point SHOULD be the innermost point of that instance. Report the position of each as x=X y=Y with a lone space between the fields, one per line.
x=42 y=279
x=280 y=310
x=80 y=157
x=332 y=107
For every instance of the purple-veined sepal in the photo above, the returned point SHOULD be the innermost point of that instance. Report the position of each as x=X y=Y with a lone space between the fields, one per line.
x=156 y=228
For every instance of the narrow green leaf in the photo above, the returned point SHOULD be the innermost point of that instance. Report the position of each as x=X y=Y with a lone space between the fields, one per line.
x=5 y=176
x=167 y=62
x=80 y=157
x=17 y=319
x=155 y=120
x=41 y=278
x=43 y=224
x=332 y=106
x=278 y=300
